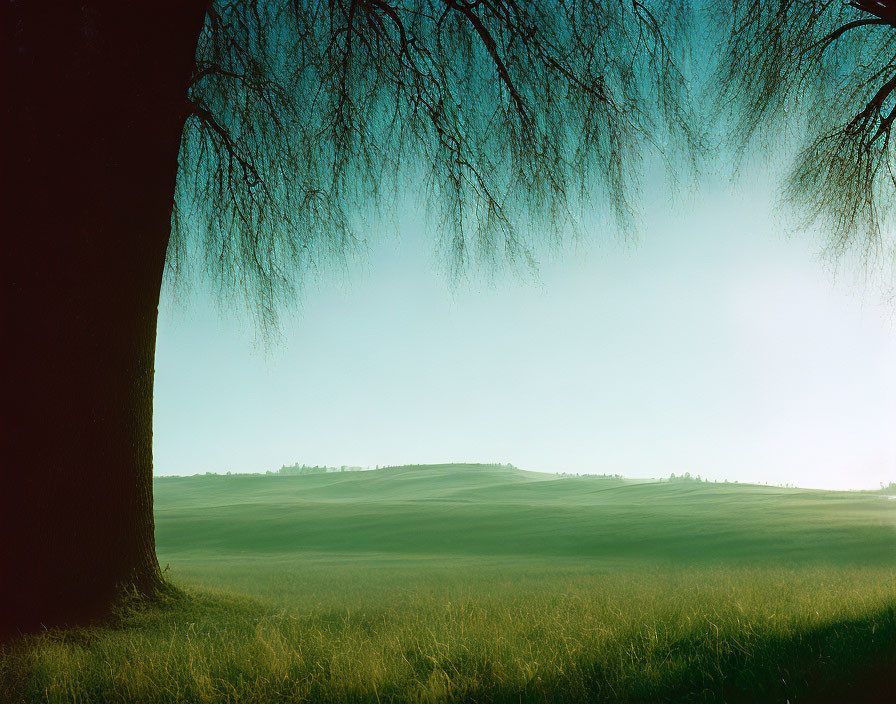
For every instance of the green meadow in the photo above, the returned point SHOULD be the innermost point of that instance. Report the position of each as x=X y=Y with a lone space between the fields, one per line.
x=483 y=583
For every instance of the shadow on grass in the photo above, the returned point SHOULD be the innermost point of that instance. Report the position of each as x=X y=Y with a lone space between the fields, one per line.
x=840 y=661
x=843 y=661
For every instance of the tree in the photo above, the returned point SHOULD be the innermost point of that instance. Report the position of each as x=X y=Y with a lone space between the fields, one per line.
x=827 y=70
x=239 y=139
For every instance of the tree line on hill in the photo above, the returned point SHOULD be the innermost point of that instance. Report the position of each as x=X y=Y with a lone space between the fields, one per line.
x=297 y=469
x=305 y=469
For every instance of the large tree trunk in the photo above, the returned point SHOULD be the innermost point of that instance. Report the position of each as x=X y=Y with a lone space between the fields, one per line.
x=95 y=106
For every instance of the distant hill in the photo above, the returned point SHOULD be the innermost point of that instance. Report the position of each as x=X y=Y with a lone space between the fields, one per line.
x=464 y=509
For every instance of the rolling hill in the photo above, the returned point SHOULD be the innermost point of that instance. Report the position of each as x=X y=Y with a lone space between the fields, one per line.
x=482 y=510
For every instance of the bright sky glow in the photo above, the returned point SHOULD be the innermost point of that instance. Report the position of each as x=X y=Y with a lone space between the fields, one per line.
x=715 y=345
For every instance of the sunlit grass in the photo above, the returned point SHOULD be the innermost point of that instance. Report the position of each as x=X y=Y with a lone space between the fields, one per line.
x=488 y=632
x=368 y=626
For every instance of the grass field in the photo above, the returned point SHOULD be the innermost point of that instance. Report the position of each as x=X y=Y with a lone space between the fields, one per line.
x=482 y=583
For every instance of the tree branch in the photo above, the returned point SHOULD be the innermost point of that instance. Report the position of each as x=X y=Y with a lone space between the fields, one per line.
x=884 y=9
x=824 y=42
x=492 y=47
x=250 y=173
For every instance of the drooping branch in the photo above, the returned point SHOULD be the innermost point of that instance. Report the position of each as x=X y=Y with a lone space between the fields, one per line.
x=507 y=114
x=251 y=176
x=873 y=111
x=469 y=12
x=826 y=41
x=829 y=69
x=883 y=9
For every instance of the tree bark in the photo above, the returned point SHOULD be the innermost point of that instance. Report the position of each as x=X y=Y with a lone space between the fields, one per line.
x=95 y=106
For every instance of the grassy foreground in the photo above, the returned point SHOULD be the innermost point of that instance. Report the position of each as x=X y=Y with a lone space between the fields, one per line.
x=472 y=583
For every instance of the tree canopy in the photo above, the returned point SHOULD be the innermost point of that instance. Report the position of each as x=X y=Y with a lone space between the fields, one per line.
x=505 y=112
x=825 y=70
x=511 y=116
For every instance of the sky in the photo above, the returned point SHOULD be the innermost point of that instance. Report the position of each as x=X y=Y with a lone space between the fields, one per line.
x=714 y=344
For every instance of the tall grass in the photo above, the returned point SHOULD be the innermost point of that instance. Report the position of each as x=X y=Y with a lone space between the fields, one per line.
x=496 y=632
x=462 y=585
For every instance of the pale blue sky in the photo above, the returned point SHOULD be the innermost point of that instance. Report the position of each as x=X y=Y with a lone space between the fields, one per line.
x=714 y=345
